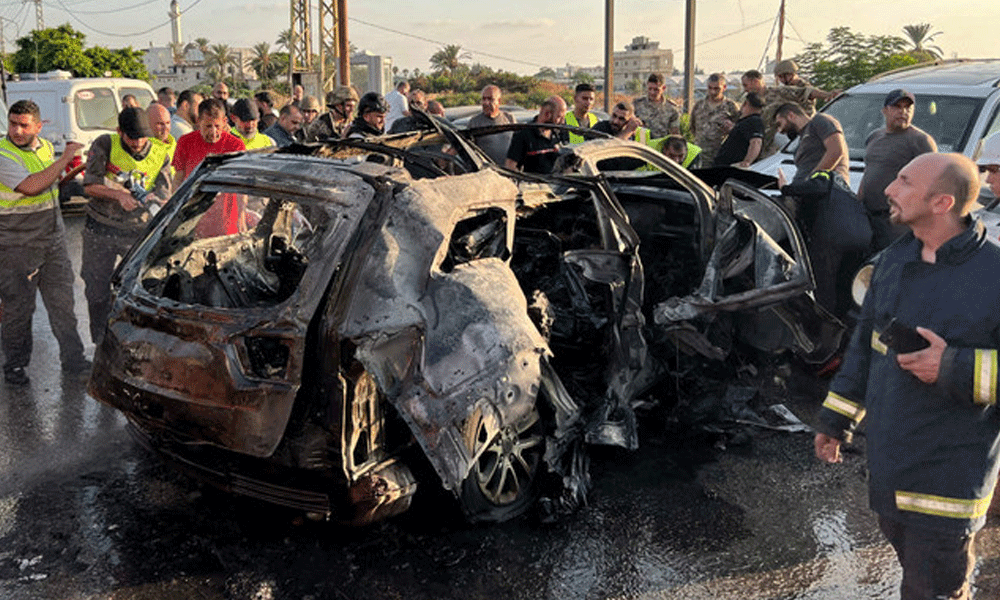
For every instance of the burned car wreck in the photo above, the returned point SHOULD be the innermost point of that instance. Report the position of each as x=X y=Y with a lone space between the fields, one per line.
x=399 y=309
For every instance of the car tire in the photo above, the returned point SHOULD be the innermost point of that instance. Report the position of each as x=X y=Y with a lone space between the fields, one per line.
x=503 y=480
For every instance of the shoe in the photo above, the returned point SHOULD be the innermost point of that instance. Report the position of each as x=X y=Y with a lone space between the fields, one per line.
x=16 y=376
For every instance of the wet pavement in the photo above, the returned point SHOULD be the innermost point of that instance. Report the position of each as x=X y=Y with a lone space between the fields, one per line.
x=746 y=514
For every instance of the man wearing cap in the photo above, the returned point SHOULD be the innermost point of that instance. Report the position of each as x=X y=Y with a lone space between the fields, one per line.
x=245 y=116
x=793 y=88
x=341 y=102
x=310 y=108
x=495 y=145
x=584 y=95
x=126 y=175
x=289 y=123
x=33 y=254
x=370 y=121
x=989 y=162
x=886 y=152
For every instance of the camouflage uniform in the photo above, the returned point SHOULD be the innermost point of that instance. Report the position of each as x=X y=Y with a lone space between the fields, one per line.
x=659 y=119
x=706 y=121
x=774 y=97
x=324 y=127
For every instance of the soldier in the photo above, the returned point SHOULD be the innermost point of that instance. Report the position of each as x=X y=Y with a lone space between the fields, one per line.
x=712 y=117
x=341 y=102
x=656 y=111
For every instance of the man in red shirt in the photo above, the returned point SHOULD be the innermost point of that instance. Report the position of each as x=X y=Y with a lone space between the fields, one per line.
x=212 y=137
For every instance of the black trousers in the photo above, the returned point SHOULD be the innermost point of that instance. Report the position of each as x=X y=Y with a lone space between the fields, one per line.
x=936 y=564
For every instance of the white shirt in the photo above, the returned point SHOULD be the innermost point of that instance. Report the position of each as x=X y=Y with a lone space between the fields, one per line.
x=397 y=107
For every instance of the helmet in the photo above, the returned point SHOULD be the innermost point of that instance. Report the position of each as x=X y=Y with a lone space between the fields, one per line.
x=991 y=151
x=339 y=95
x=786 y=66
x=309 y=103
x=372 y=102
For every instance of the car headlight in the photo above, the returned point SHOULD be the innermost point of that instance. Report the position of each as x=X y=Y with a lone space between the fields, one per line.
x=862 y=280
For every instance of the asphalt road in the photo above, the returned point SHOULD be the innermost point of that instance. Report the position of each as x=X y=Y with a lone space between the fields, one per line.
x=705 y=509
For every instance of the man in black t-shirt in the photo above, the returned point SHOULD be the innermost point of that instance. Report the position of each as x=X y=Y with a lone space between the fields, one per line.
x=743 y=144
x=536 y=150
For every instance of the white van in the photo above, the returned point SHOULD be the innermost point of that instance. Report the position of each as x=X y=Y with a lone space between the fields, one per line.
x=77 y=109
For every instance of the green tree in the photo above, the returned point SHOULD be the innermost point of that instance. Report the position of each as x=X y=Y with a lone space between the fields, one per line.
x=49 y=49
x=123 y=62
x=285 y=40
x=62 y=48
x=448 y=58
x=582 y=77
x=850 y=58
x=263 y=61
x=920 y=36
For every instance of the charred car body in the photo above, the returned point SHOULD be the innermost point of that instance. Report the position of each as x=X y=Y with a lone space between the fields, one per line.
x=397 y=303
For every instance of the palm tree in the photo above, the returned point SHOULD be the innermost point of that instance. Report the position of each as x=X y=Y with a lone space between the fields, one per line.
x=920 y=37
x=220 y=57
x=262 y=61
x=285 y=40
x=448 y=58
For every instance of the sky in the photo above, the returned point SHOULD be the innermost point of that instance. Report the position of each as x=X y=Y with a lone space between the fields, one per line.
x=518 y=35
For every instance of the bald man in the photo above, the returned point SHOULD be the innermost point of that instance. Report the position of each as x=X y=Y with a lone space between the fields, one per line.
x=535 y=150
x=922 y=363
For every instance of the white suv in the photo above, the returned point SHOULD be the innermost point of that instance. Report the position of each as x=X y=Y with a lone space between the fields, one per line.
x=957 y=104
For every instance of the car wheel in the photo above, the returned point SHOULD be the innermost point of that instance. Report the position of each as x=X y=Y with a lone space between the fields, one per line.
x=503 y=480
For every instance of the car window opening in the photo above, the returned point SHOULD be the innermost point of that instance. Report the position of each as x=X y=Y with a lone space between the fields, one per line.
x=231 y=250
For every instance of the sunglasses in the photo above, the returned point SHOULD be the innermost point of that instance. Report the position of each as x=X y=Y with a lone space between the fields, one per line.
x=989 y=168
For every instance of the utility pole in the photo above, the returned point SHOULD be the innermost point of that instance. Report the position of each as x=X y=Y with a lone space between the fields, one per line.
x=609 y=53
x=39 y=21
x=689 y=56
x=781 y=30
x=333 y=46
x=300 y=54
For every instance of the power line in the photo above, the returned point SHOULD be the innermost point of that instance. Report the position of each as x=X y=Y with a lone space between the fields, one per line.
x=423 y=39
x=132 y=34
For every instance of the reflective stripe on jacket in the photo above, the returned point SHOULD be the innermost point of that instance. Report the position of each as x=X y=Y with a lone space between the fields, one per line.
x=933 y=449
x=12 y=202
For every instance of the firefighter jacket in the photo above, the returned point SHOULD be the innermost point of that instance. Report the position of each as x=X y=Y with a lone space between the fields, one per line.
x=932 y=448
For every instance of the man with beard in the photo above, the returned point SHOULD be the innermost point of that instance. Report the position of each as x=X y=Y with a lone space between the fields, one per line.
x=822 y=146
x=185 y=117
x=712 y=117
x=117 y=216
x=932 y=426
x=624 y=124
x=535 y=150
x=888 y=150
